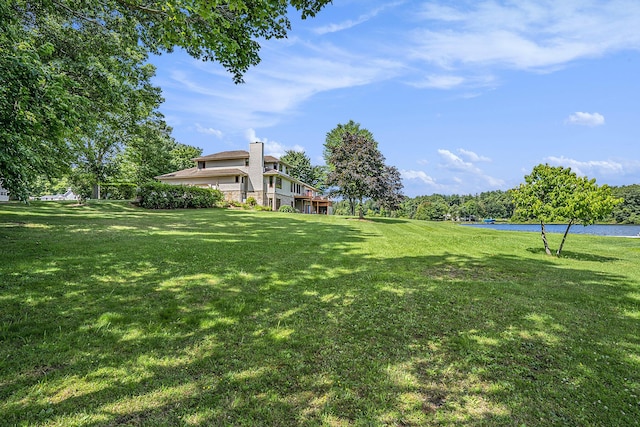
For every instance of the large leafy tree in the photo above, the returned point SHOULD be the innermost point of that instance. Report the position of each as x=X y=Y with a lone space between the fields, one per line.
x=69 y=66
x=557 y=194
x=389 y=189
x=335 y=138
x=359 y=172
x=300 y=167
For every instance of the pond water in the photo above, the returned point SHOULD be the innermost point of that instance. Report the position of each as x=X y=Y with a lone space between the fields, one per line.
x=597 y=229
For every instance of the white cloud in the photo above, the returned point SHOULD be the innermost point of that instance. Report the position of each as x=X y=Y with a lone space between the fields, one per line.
x=585 y=119
x=440 y=82
x=588 y=168
x=473 y=157
x=418 y=175
x=272 y=148
x=453 y=161
x=271 y=92
x=528 y=34
x=208 y=131
x=350 y=23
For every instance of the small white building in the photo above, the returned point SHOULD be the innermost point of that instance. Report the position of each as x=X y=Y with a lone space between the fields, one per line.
x=68 y=195
x=4 y=194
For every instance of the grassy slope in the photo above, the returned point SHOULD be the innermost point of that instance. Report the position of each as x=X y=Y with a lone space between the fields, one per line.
x=111 y=315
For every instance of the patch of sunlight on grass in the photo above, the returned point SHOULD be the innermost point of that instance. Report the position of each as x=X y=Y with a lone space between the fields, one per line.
x=334 y=421
x=176 y=284
x=73 y=387
x=37 y=225
x=400 y=374
x=482 y=340
x=329 y=297
x=634 y=295
x=106 y=319
x=200 y=418
x=122 y=228
x=49 y=270
x=156 y=399
x=397 y=291
x=280 y=334
x=80 y=230
x=212 y=323
x=634 y=358
x=289 y=313
x=539 y=335
x=310 y=293
x=248 y=374
x=133 y=334
x=632 y=314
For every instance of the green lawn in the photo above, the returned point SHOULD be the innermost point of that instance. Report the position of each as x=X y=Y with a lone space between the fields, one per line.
x=113 y=315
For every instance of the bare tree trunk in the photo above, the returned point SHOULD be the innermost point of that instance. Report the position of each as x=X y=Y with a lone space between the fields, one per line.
x=564 y=238
x=352 y=206
x=544 y=239
x=361 y=210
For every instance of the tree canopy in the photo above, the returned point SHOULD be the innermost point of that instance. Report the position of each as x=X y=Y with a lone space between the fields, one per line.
x=359 y=172
x=335 y=137
x=70 y=69
x=558 y=194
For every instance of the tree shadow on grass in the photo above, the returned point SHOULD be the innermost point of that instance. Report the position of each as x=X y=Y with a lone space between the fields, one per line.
x=271 y=320
x=578 y=256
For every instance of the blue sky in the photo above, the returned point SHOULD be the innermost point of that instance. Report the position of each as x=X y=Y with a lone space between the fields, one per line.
x=462 y=96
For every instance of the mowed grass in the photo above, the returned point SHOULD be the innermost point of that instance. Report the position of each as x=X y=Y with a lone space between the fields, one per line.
x=112 y=315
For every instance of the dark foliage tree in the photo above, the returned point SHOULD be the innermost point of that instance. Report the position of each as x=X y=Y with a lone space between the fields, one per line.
x=335 y=137
x=359 y=172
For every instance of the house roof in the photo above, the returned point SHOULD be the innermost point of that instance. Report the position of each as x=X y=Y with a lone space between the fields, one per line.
x=203 y=173
x=224 y=155
x=236 y=154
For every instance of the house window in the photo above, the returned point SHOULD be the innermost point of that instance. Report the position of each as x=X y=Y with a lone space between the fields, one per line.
x=237 y=179
x=246 y=162
x=270 y=181
x=291 y=187
x=202 y=165
x=278 y=182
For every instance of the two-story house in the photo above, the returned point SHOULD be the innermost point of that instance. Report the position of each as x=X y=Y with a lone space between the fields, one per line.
x=242 y=174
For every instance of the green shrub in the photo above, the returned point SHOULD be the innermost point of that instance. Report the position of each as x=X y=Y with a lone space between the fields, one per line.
x=251 y=201
x=263 y=208
x=286 y=208
x=157 y=195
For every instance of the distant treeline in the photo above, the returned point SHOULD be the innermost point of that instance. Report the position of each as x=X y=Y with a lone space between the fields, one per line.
x=491 y=204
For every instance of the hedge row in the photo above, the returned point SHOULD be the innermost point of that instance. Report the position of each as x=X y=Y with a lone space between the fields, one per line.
x=157 y=195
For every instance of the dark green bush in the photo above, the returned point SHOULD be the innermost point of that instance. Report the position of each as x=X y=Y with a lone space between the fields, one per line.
x=157 y=195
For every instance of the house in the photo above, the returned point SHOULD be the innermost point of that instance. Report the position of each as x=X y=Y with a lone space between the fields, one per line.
x=4 y=194
x=67 y=195
x=242 y=174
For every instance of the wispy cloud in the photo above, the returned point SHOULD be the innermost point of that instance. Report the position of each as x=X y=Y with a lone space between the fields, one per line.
x=589 y=168
x=473 y=157
x=350 y=23
x=272 y=148
x=585 y=119
x=457 y=164
x=208 y=131
x=530 y=35
x=418 y=175
x=271 y=92
x=452 y=161
x=440 y=82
